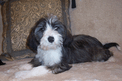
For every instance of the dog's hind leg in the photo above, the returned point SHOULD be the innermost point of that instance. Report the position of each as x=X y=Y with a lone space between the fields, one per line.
x=102 y=55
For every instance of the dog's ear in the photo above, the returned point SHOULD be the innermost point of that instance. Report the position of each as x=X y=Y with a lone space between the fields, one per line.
x=68 y=38
x=32 y=43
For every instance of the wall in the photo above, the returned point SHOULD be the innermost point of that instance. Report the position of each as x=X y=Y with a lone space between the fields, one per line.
x=99 y=18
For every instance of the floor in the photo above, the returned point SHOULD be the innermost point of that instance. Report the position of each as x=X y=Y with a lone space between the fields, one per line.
x=20 y=70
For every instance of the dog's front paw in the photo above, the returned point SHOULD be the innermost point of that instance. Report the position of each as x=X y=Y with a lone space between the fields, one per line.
x=36 y=71
x=25 y=67
x=59 y=68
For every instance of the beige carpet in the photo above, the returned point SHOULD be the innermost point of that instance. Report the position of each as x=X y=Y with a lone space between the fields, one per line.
x=19 y=70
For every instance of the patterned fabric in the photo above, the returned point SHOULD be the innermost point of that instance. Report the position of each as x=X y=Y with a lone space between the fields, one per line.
x=19 y=16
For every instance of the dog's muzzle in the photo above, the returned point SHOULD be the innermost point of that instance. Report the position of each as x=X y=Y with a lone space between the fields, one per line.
x=51 y=42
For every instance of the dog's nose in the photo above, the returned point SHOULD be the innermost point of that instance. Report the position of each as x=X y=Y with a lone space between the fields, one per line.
x=51 y=39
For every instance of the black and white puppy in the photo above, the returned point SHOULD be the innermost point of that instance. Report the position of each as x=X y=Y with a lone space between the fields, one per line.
x=56 y=48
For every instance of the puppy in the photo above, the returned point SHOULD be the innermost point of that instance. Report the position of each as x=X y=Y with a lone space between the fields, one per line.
x=56 y=48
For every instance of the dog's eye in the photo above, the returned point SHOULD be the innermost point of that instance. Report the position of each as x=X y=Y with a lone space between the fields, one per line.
x=41 y=29
x=56 y=28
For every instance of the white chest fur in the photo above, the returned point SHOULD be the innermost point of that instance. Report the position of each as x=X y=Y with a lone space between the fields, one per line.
x=49 y=57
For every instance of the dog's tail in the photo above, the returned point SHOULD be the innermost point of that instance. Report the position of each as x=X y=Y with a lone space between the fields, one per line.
x=109 y=45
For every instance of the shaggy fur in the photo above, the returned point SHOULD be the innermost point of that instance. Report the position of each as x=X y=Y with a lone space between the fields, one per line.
x=56 y=48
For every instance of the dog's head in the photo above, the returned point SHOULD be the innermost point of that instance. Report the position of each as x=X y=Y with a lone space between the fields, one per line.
x=49 y=33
